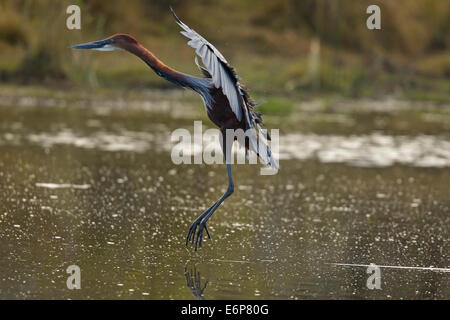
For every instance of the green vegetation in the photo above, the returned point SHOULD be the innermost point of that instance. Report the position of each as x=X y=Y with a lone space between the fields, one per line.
x=283 y=48
x=276 y=106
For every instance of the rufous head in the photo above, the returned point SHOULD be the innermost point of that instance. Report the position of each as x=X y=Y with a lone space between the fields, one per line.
x=115 y=42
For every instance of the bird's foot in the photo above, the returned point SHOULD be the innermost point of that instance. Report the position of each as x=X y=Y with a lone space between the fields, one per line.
x=199 y=238
x=193 y=229
x=200 y=221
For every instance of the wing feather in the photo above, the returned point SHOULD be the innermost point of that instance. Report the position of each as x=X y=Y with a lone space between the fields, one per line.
x=223 y=75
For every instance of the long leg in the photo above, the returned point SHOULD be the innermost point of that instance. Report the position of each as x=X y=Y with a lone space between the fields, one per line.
x=230 y=189
x=200 y=222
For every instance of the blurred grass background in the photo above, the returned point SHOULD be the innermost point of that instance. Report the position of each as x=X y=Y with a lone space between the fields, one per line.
x=281 y=48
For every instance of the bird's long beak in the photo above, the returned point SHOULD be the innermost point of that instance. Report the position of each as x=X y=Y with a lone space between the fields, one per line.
x=102 y=45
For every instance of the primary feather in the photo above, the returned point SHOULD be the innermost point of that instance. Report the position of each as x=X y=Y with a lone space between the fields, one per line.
x=222 y=74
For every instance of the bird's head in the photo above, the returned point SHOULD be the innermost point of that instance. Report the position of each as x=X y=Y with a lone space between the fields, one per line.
x=115 y=42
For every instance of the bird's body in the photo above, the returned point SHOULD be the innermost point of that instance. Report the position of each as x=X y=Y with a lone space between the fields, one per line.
x=228 y=105
x=221 y=114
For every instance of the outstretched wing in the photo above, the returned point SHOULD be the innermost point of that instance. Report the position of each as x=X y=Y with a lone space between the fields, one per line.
x=222 y=74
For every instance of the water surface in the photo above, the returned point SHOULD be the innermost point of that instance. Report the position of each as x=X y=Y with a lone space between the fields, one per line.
x=95 y=187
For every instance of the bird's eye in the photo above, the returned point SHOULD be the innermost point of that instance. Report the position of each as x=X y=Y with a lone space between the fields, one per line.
x=111 y=40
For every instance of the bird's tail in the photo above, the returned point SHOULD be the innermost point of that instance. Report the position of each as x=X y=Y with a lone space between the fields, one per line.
x=258 y=139
x=258 y=143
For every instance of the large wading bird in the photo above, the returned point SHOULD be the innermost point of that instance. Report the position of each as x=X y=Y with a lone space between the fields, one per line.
x=227 y=103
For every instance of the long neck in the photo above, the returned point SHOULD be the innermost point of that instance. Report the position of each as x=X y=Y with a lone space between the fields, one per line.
x=160 y=68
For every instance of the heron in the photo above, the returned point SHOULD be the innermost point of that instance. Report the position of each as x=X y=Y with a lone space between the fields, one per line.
x=227 y=103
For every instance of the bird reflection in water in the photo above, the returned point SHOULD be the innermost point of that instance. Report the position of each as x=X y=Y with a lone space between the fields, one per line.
x=193 y=282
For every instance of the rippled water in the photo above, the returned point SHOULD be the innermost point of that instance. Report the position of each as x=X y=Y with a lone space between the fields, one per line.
x=100 y=191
